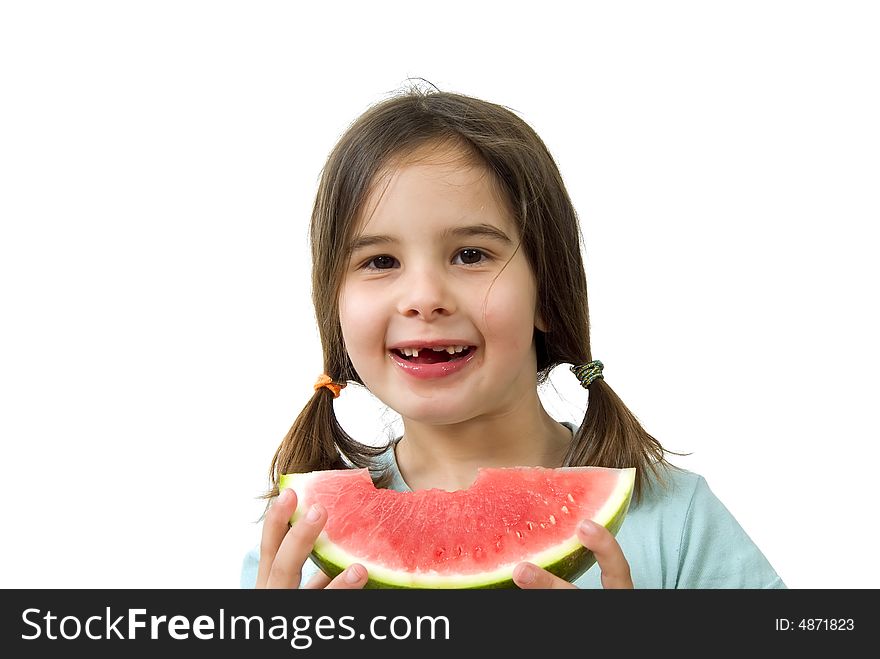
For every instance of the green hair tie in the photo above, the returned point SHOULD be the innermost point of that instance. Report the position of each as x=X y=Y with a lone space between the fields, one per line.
x=586 y=373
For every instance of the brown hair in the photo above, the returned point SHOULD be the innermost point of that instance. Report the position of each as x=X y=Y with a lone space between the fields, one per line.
x=526 y=174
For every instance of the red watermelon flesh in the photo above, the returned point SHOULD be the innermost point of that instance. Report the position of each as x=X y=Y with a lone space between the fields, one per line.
x=466 y=538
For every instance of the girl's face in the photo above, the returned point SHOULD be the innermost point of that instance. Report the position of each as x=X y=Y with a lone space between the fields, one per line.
x=437 y=262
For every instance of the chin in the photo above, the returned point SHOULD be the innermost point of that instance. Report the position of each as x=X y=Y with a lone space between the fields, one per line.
x=427 y=411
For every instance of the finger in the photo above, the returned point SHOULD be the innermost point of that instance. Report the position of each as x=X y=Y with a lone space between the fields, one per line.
x=354 y=576
x=530 y=576
x=286 y=569
x=609 y=555
x=317 y=582
x=275 y=527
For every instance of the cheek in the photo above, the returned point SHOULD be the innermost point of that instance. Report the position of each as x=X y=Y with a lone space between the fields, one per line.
x=358 y=320
x=509 y=317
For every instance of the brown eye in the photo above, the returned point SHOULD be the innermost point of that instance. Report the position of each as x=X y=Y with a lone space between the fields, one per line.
x=471 y=256
x=381 y=263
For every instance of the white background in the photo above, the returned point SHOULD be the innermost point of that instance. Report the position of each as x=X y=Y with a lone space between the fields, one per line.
x=158 y=162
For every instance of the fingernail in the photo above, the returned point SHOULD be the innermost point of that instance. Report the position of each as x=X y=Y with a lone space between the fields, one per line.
x=525 y=574
x=353 y=574
x=588 y=526
x=314 y=513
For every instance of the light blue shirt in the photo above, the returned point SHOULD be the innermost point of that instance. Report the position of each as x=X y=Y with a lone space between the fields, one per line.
x=680 y=536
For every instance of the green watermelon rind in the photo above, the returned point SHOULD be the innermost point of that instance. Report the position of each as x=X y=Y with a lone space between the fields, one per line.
x=567 y=560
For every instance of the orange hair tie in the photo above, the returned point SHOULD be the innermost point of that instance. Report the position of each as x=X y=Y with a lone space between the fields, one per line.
x=325 y=380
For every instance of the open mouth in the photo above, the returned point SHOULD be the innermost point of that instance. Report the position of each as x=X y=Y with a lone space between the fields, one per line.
x=431 y=356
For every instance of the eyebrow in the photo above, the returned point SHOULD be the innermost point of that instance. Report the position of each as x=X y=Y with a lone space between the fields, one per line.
x=470 y=231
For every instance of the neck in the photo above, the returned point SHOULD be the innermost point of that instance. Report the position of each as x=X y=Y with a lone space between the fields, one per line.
x=448 y=456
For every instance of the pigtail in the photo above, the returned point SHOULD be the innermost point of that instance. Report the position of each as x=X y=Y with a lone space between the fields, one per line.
x=611 y=436
x=316 y=441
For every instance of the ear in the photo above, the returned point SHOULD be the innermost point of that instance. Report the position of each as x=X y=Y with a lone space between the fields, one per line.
x=539 y=321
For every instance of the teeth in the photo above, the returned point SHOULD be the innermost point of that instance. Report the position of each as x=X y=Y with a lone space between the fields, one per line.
x=414 y=352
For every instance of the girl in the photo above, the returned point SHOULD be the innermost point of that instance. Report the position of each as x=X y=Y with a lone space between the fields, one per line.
x=447 y=279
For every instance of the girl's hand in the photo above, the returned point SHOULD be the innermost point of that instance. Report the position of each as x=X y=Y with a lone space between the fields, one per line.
x=609 y=556
x=284 y=549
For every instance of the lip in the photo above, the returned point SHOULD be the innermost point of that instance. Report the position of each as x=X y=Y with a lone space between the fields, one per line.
x=432 y=371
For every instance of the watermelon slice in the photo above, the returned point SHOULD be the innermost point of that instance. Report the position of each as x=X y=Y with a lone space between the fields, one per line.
x=469 y=538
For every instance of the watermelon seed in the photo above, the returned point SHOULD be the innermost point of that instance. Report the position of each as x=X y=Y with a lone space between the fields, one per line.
x=518 y=534
x=553 y=519
x=564 y=509
x=460 y=550
x=570 y=498
x=530 y=525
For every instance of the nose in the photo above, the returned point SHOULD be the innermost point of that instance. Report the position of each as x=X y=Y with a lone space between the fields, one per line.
x=425 y=292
